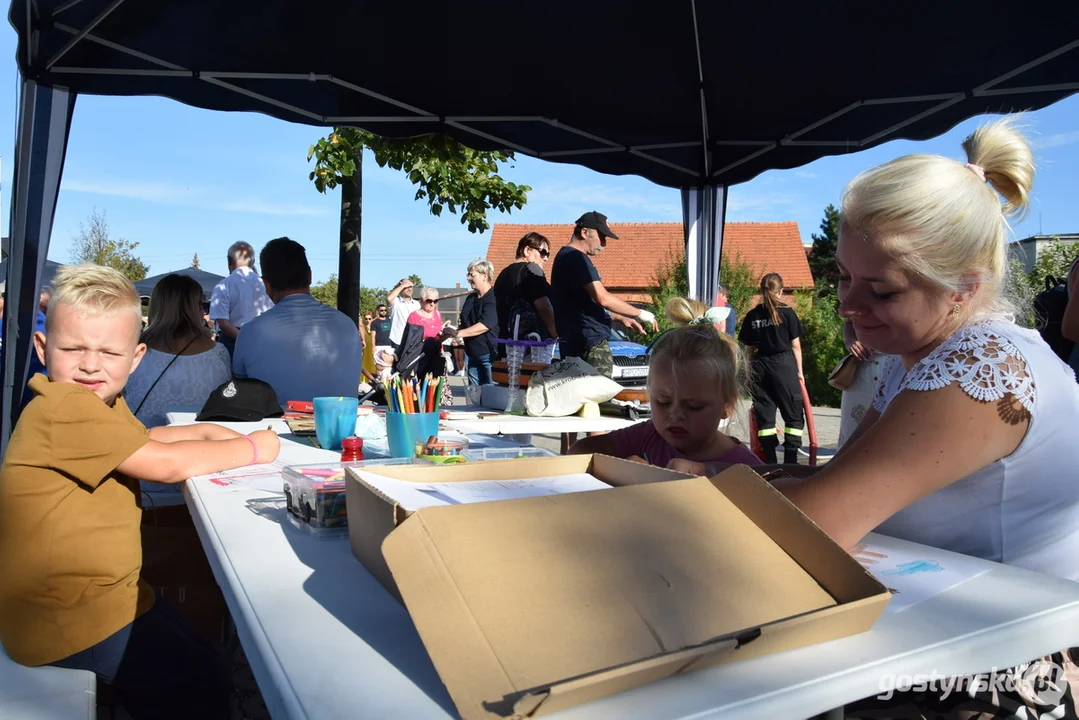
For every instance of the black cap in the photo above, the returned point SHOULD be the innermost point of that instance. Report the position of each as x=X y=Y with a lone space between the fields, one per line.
x=242 y=399
x=596 y=221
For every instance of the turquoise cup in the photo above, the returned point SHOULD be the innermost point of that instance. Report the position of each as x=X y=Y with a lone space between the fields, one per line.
x=335 y=420
x=404 y=429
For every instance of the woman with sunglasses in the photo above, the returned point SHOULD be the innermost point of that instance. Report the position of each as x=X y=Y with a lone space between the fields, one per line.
x=522 y=291
x=428 y=317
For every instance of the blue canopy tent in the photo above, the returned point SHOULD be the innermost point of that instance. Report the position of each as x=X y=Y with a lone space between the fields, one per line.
x=689 y=94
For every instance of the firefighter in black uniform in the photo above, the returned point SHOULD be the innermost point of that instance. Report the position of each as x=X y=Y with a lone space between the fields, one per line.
x=772 y=331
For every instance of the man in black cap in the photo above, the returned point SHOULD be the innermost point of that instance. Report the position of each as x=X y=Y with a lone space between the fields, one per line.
x=582 y=306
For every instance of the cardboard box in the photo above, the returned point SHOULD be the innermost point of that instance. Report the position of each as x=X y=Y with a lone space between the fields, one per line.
x=533 y=605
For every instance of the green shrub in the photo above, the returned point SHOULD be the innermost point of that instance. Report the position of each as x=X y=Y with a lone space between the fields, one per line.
x=822 y=345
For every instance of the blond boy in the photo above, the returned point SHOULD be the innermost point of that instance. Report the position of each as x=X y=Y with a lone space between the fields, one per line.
x=70 y=544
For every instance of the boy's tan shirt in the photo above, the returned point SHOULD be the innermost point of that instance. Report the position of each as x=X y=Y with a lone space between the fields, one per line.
x=70 y=543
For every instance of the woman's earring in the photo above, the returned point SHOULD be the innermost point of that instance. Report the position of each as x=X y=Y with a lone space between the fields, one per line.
x=955 y=311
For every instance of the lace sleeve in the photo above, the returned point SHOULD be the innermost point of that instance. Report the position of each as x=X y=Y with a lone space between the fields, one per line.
x=984 y=363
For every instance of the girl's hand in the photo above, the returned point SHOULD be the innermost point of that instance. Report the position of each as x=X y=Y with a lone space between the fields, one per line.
x=269 y=445
x=637 y=459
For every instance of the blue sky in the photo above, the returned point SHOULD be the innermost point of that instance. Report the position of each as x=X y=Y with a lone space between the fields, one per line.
x=180 y=181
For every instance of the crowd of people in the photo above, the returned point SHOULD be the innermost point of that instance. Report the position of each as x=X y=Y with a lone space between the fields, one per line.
x=960 y=448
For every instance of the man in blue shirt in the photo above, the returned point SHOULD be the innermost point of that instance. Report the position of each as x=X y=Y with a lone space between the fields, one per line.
x=302 y=348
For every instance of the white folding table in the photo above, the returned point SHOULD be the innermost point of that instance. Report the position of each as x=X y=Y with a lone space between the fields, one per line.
x=325 y=640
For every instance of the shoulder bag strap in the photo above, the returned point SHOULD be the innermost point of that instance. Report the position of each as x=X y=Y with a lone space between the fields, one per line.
x=174 y=357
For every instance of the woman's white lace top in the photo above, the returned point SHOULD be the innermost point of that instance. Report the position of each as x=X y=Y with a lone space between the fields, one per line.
x=1023 y=509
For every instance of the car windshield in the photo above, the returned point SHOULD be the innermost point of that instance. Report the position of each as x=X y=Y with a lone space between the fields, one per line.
x=618 y=336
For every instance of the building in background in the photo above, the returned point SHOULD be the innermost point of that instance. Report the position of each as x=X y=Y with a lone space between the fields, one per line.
x=1027 y=250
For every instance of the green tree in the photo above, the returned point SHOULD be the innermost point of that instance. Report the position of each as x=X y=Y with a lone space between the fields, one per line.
x=741 y=282
x=195 y=262
x=822 y=257
x=446 y=173
x=326 y=292
x=417 y=282
x=93 y=245
x=822 y=344
x=672 y=280
x=1055 y=259
x=1018 y=289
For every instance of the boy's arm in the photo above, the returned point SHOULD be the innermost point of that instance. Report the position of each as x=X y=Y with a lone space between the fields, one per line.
x=170 y=462
x=200 y=431
x=600 y=444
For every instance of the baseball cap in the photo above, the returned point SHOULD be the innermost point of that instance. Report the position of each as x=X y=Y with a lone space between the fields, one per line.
x=242 y=399
x=596 y=221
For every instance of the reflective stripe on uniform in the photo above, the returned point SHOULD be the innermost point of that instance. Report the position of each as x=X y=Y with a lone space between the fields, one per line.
x=797 y=432
x=767 y=432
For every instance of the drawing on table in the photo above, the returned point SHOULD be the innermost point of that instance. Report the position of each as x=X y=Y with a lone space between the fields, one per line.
x=913 y=567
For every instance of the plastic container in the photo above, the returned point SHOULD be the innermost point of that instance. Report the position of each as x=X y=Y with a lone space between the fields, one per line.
x=447 y=451
x=352 y=449
x=404 y=429
x=543 y=354
x=511 y=453
x=315 y=494
x=335 y=420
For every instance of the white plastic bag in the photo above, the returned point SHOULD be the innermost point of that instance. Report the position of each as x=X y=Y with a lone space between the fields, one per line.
x=564 y=387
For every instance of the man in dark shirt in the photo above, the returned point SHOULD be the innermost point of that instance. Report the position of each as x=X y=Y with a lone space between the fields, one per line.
x=522 y=291
x=582 y=306
x=381 y=326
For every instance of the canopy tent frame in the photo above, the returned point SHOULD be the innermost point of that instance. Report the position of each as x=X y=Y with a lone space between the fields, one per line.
x=662 y=151
x=463 y=123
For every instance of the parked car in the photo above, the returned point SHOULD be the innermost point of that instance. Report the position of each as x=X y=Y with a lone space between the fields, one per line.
x=630 y=360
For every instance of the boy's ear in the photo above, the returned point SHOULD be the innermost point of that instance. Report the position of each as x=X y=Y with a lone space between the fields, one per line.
x=140 y=350
x=39 y=348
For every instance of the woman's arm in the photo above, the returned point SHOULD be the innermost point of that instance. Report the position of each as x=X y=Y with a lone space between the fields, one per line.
x=796 y=346
x=923 y=443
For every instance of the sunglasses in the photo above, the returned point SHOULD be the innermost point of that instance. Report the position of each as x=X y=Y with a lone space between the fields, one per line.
x=543 y=253
x=429 y=300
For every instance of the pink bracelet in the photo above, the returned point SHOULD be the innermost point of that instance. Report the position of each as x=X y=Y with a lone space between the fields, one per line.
x=255 y=447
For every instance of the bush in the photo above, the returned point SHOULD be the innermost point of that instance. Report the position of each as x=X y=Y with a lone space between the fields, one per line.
x=822 y=345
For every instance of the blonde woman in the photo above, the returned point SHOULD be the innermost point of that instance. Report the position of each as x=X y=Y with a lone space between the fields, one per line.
x=772 y=332
x=970 y=443
x=479 y=322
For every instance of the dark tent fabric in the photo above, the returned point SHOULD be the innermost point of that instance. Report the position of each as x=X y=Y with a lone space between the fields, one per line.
x=206 y=280
x=47 y=276
x=685 y=93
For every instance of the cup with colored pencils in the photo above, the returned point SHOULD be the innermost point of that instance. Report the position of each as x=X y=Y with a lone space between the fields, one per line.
x=412 y=412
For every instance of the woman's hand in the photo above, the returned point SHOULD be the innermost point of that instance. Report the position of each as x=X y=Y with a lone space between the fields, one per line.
x=268 y=443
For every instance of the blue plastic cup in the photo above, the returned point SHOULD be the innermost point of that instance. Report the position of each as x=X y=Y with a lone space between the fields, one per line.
x=404 y=429
x=335 y=420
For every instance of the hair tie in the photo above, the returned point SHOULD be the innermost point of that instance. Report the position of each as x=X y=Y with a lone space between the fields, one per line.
x=702 y=320
x=977 y=170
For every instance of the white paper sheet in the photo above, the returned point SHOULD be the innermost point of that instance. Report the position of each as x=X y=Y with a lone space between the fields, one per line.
x=414 y=496
x=266 y=477
x=912 y=578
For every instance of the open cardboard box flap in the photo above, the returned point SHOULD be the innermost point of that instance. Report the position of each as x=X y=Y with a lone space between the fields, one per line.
x=532 y=605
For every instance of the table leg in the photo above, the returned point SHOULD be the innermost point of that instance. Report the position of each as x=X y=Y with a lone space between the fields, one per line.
x=568 y=439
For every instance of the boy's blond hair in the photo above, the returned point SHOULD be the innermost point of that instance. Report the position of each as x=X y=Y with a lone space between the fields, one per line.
x=94 y=289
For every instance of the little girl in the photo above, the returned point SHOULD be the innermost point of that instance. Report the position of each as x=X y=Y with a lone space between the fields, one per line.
x=696 y=378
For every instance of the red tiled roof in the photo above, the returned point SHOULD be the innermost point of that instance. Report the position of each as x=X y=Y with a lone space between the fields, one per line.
x=629 y=263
